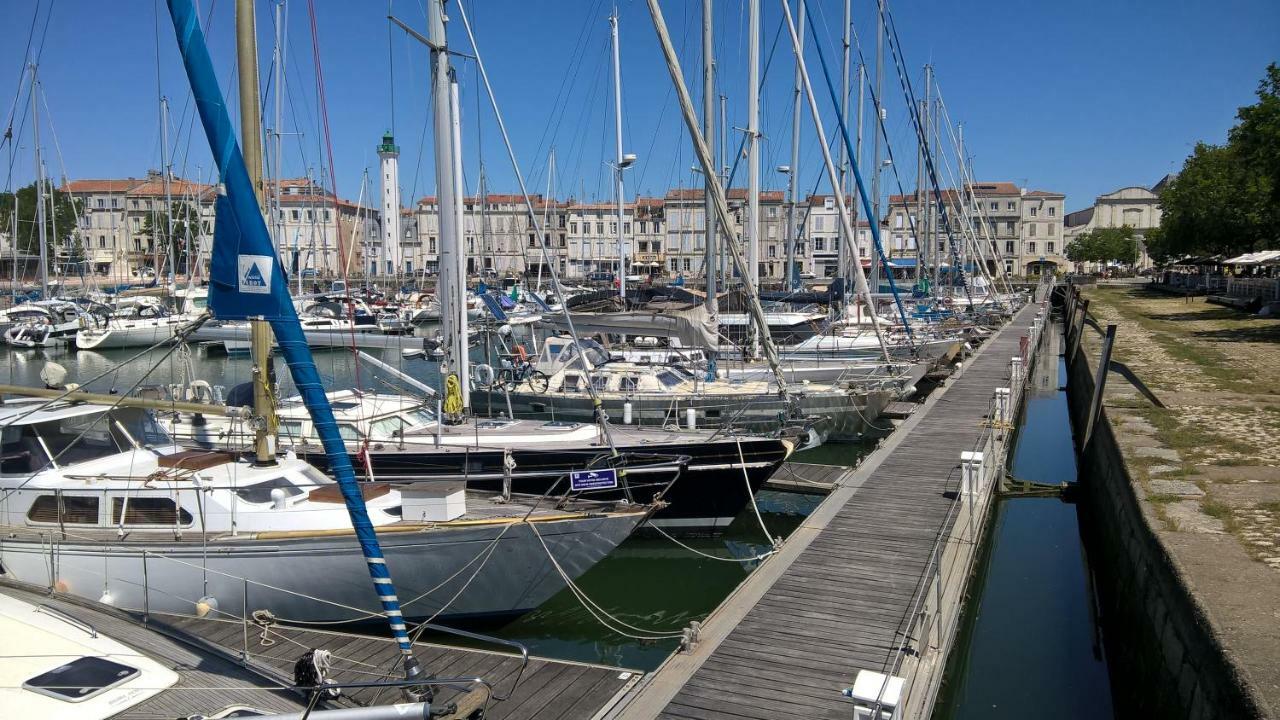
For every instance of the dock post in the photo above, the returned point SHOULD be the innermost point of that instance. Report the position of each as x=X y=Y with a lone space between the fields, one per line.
x=970 y=473
x=1015 y=371
x=1095 y=403
x=875 y=696
x=1003 y=409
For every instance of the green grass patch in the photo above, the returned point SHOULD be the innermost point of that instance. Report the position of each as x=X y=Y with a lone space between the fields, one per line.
x=1215 y=509
x=1163 y=498
x=1272 y=507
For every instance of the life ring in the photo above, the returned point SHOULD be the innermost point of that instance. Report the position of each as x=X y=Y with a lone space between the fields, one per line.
x=521 y=354
x=483 y=374
x=948 y=301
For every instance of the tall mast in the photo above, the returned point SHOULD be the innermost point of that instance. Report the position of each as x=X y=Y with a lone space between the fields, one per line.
x=277 y=215
x=620 y=162
x=875 y=135
x=166 y=168
x=452 y=290
x=929 y=240
x=789 y=275
x=753 y=154
x=842 y=255
x=709 y=133
x=40 y=209
x=251 y=138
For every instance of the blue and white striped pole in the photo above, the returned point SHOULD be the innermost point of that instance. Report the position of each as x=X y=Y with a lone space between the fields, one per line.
x=270 y=300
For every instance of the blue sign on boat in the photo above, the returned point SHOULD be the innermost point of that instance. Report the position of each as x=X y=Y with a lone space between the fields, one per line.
x=593 y=479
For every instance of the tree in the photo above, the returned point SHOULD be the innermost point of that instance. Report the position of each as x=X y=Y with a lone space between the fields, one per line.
x=185 y=221
x=1104 y=245
x=61 y=214
x=1226 y=200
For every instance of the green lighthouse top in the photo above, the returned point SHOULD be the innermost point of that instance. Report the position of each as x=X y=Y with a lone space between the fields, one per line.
x=388 y=144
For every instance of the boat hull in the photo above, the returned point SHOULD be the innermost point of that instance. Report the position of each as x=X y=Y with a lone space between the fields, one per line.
x=843 y=416
x=325 y=578
x=126 y=337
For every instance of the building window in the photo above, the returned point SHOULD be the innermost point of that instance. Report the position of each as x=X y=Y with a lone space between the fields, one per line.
x=642 y=224
x=1050 y=248
x=431 y=244
x=101 y=203
x=573 y=228
x=644 y=246
x=115 y=203
x=1052 y=211
x=819 y=244
x=533 y=241
x=102 y=241
x=613 y=228
x=1031 y=230
x=996 y=205
x=626 y=228
x=675 y=265
x=134 y=204
x=1008 y=227
x=1008 y=267
x=897 y=221
x=562 y=240
x=687 y=265
x=773 y=251
x=293 y=215
x=1035 y=211
x=600 y=228
x=1053 y=230
x=1011 y=206
x=1008 y=247
x=1031 y=247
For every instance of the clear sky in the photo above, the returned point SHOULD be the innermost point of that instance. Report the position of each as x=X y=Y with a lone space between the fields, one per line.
x=1080 y=98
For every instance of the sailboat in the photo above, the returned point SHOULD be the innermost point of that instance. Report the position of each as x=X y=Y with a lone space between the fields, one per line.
x=92 y=499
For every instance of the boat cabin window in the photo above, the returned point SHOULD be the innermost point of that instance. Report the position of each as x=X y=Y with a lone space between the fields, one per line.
x=148 y=511
x=348 y=433
x=669 y=379
x=76 y=510
x=291 y=430
x=261 y=492
x=422 y=416
x=81 y=678
x=599 y=383
x=387 y=428
x=570 y=383
x=629 y=383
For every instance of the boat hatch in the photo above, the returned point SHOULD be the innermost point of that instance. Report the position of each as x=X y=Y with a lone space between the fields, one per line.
x=493 y=424
x=81 y=678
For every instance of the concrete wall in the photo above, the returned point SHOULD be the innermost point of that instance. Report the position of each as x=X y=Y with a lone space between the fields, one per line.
x=1159 y=642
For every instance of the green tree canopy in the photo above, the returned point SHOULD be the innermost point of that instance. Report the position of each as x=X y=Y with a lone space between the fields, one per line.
x=1104 y=245
x=185 y=221
x=61 y=212
x=1226 y=200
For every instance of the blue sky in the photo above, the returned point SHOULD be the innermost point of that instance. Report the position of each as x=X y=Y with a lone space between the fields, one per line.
x=1081 y=98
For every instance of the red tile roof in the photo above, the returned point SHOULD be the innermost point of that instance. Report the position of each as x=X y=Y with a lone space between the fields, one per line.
x=95 y=186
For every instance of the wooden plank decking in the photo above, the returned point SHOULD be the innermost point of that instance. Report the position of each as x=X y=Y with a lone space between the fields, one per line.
x=796 y=633
x=546 y=689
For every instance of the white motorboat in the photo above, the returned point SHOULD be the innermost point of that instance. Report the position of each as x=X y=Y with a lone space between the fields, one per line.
x=139 y=325
x=44 y=323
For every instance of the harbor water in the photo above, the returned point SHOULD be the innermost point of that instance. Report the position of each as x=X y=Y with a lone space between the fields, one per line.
x=1030 y=644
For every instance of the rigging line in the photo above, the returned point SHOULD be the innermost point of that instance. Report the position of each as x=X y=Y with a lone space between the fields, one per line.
x=391 y=73
x=598 y=406
x=17 y=94
x=904 y=80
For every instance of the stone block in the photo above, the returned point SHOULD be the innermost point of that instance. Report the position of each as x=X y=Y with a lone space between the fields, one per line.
x=1174 y=487
x=1158 y=453
x=1162 y=470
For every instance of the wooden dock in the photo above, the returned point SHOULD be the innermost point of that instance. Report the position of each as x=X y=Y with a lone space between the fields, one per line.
x=807 y=478
x=873 y=580
x=541 y=689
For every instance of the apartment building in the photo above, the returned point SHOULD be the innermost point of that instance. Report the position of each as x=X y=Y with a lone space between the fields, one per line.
x=122 y=221
x=821 y=236
x=1023 y=228
x=321 y=235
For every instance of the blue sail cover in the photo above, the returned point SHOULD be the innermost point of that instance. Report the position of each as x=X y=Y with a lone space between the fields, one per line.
x=247 y=281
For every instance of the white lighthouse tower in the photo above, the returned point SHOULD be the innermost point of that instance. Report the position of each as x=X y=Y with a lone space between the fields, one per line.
x=392 y=260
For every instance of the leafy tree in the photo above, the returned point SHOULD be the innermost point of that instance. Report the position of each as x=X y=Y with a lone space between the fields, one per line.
x=1226 y=200
x=61 y=212
x=184 y=219
x=1104 y=245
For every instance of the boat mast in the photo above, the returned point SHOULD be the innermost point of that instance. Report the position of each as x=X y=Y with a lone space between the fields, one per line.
x=452 y=290
x=923 y=249
x=40 y=209
x=703 y=151
x=842 y=255
x=251 y=137
x=790 y=279
x=277 y=216
x=753 y=156
x=620 y=161
x=166 y=168
x=875 y=133
x=709 y=171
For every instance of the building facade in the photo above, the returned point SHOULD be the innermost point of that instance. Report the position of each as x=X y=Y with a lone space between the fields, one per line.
x=1135 y=206
x=1022 y=230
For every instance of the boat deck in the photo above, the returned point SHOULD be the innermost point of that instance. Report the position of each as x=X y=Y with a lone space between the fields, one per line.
x=542 y=689
x=840 y=596
x=206 y=684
